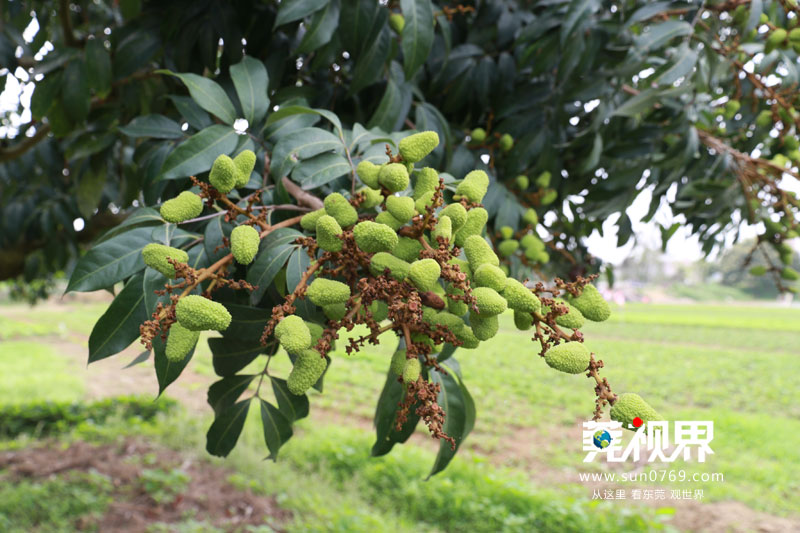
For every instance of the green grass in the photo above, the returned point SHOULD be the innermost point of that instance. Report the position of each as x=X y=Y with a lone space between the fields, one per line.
x=55 y=505
x=33 y=371
x=730 y=364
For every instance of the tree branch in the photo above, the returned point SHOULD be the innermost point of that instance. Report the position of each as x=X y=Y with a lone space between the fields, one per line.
x=66 y=23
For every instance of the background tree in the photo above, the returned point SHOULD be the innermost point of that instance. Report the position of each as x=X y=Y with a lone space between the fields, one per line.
x=571 y=107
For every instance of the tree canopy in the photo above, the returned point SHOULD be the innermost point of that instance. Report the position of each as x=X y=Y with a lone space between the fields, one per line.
x=542 y=120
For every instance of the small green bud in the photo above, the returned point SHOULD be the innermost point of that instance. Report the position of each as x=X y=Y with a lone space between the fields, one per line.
x=543 y=180
x=473 y=187
x=453 y=323
x=572 y=319
x=531 y=241
x=324 y=292
x=506 y=232
x=456 y=307
x=155 y=256
x=293 y=334
x=309 y=220
x=394 y=176
x=335 y=311
x=185 y=206
x=476 y=220
x=732 y=107
x=489 y=302
x=794 y=35
x=415 y=147
x=789 y=274
x=506 y=142
x=484 y=327
x=407 y=249
x=569 y=357
x=328 y=233
x=245 y=162
x=764 y=118
x=629 y=406
x=372 y=198
x=758 y=270
x=522 y=182
x=386 y=218
x=401 y=207
x=427 y=181
x=398 y=269
x=398 y=362
x=777 y=37
x=444 y=229
x=424 y=201
x=372 y=237
x=223 y=174
x=180 y=342
x=244 y=244
x=397 y=22
x=368 y=173
x=531 y=217
x=308 y=368
x=411 y=370
x=520 y=297
x=339 y=208
x=316 y=332
x=479 y=252
x=591 y=304
x=522 y=320
x=549 y=197
x=478 y=135
x=424 y=273
x=488 y=275
x=457 y=215
x=199 y=314
x=507 y=247
x=468 y=338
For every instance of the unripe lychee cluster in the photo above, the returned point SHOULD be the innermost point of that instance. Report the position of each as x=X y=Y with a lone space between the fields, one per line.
x=155 y=256
x=227 y=174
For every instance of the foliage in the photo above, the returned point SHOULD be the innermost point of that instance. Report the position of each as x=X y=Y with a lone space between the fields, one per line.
x=45 y=417
x=691 y=100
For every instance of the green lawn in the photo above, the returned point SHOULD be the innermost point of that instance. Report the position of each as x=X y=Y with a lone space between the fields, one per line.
x=730 y=364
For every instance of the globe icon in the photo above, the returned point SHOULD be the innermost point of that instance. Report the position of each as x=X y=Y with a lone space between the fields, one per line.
x=602 y=439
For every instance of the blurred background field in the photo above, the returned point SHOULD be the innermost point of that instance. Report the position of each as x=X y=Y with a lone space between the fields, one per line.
x=734 y=364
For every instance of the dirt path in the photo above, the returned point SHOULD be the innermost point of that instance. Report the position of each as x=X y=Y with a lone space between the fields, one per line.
x=207 y=496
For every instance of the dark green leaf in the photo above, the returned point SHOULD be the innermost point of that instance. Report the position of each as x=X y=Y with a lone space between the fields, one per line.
x=301 y=144
x=292 y=406
x=110 y=261
x=460 y=408
x=277 y=429
x=157 y=126
x=417 y=34
x=207 y=94
x=393 y=107
x=756 y=9
x=198 y=152
x=224 y=393
x=252 y=82
x=291 y=10
x=98 y=64
x=369 y=67
x=247 y=322
x=229 y=355
x=225 y=431
x=119 y=325
x=385 y=414
x=45 y=94
x=75 y=90
x=320 y=30
x=153 y=280
x=194 y=115
x=273 y=253
x=216 y=230
x=319 y=170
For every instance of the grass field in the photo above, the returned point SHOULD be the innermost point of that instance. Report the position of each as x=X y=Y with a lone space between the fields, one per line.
x=518 y=471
